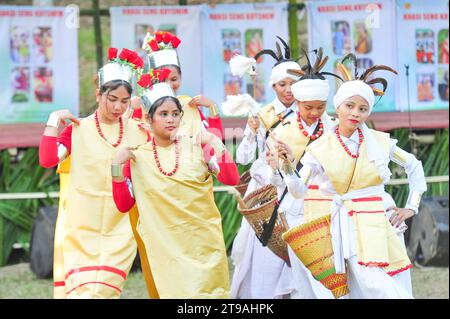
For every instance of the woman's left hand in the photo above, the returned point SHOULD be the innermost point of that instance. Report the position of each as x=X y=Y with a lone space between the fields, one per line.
x=399 y=215
x=200 y=100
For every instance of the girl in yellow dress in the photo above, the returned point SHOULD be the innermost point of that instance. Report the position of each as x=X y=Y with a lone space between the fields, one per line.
x=94 y=244
x=172 y=186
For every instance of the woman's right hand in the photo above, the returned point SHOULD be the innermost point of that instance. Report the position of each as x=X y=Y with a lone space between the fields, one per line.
x=253 y=123
x=66 y=115
x=272 y=159
x=124 y=155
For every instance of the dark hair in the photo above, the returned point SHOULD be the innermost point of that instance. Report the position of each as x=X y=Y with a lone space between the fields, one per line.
x=114 y=85
x=161 y=101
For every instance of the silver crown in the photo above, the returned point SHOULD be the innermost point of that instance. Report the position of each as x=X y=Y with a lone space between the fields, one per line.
x=157 y=91
x=163 y=57
x=115 y=71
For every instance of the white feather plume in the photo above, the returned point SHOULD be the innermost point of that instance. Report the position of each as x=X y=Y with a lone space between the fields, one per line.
x=240 y=65
x=239 y=105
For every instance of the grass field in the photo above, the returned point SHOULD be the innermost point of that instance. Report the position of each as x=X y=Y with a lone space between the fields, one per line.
x=18 y=282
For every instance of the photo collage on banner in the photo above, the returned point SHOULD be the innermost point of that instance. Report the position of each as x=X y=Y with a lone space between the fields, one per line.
x=30 y=67
x=423 y=45
x=364 y=28
x=243 y=29
x=209 y=38
x=183 y=21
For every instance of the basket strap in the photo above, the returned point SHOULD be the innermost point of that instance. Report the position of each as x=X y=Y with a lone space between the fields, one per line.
x=268 y=227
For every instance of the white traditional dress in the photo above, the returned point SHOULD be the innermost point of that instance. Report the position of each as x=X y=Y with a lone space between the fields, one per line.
x=257 y=270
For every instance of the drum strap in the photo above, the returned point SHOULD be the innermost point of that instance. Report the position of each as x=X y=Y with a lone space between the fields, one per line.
x=268 y=226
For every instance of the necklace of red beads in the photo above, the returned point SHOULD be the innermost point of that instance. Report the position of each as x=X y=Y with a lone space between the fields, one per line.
x=177 y=158
x=99 y=130
x=302 y=129
x=345 y=146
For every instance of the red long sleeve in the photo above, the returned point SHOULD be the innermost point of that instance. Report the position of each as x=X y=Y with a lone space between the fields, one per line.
x=121 y=194
x=228 y=174
x=48 y=147
x=214 y=125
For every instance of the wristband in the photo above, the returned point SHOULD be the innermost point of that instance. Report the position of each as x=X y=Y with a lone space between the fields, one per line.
x=116 y=170
x=53 y=120
x=214 y=111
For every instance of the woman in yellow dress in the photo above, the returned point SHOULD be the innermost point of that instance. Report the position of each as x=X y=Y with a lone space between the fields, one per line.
x=351 y=164
x=94 y=245
x=172 y=186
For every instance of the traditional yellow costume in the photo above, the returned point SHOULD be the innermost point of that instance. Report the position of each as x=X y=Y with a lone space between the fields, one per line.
x=98 y=247
x=180 y=224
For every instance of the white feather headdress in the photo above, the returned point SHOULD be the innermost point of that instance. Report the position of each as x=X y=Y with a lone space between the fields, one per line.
x=240 y=105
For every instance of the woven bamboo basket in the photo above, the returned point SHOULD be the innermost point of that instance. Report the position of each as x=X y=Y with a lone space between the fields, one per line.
x=243 y=182
x=260 y=205
x=311 y=243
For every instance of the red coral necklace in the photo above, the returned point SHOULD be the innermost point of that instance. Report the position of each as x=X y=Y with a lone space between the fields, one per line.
x=345 y=146
x=99 y=130
x=177 y=158
x=302 y=129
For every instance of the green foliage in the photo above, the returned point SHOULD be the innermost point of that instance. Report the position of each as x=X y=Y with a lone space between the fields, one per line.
x=434 y=159
x=16 y=216
x=227 y=205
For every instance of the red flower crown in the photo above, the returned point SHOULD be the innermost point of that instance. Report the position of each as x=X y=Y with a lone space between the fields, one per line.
x=126 y=56
x=152 y=77
x=160 y=41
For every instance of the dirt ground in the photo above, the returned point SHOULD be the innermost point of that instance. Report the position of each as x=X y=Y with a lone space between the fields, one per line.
x=18 y=282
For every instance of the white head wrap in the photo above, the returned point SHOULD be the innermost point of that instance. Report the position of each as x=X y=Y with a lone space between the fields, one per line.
x=352 y=88
x=279 y=72
x=374 y=151
x=311 y=90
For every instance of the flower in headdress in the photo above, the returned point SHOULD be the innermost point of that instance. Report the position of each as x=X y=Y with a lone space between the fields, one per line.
x=125 y=54
x=167 y=36
x=112 y=53
x=159 y=36
x=175 y=42
x=153 y=44
x=145 y=81
x=161 y=74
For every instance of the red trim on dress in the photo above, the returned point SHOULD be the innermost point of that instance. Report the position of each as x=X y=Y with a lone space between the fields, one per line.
x=97 y=268
x=313 y=186
x=373 y=264
x=350 y=213
x=59 y=283
x=395 y=272
x=95 y=282
x=367 y=199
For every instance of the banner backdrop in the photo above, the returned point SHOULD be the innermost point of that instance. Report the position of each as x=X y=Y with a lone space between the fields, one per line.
x=422 y=28
x=129 y=25
x=244 y=29
x=364 y=27
x=39 y=56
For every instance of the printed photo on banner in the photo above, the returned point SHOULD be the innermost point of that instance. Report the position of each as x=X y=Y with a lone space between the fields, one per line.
x=443 y=46
x=340 y=31
x=362 y=37
x=232 y=84
x=231 y=42
x=253 y=42
x=425 y=46
x=43 y=84
x=20 y=84
x=140 y=31
x=19 y=44
x=42 y=45
x=443 y=83
x=425 y=87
